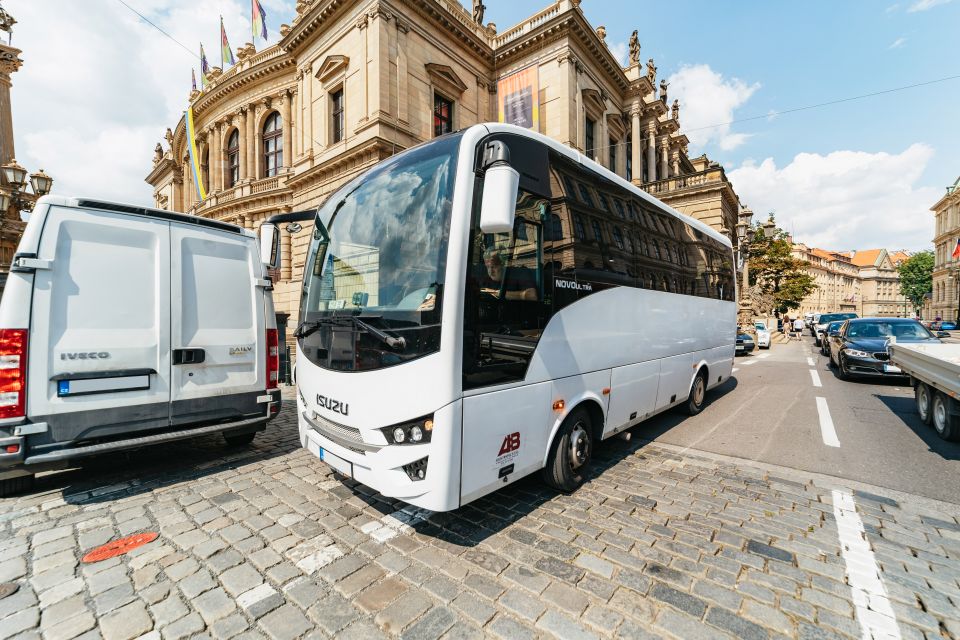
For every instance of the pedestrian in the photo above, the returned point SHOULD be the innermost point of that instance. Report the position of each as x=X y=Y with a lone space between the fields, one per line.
x=787 y=326
x=798 y=327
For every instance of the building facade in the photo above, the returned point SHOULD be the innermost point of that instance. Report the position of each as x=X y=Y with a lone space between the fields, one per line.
x=11 y=226
x=350 y=83
x=880 y=283
x=945 y=298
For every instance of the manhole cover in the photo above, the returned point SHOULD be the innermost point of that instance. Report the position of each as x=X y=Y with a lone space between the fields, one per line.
x=8 y=589
x=119 y=547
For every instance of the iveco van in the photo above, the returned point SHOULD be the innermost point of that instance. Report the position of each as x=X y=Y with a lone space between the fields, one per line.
x=122 y=326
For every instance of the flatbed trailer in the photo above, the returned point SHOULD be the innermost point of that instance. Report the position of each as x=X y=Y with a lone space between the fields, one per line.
x=934 y=371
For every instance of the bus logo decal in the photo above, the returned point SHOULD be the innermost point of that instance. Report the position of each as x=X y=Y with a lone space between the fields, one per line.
x=510 y=443
x=333 y=405
x=572 y=284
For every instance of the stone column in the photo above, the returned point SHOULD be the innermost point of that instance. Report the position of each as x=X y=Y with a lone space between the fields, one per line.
x=242 y=129
x=635 y=141
x=603 y=144
x=664 y=157
x=287 y=129
x=216 y=159
x=652 y=152
x=250 y=141
x=9 y=63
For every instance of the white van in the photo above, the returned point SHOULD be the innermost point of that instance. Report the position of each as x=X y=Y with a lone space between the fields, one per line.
x=122 y=326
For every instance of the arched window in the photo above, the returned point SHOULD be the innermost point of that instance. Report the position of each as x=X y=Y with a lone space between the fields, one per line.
x=233 y=158
x=272 y=145
x=205 y=169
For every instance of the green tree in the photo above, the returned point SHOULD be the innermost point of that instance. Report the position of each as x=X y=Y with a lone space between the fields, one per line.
x=916 y=278
x=776 y=272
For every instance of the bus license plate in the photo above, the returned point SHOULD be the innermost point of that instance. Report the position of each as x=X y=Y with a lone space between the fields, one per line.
x=336 y=462
x=889 y=368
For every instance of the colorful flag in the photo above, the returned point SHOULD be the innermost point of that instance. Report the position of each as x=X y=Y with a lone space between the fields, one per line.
x=258 y=20
x=226 y=55
x=193 y=78
x=204 y=67
x=194 y=157
x=956 y=250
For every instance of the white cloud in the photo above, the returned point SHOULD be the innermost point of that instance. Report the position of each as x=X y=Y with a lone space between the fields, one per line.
x=98 y=86
x=923 y=5
x=707 y=98
x=620 y=51
x=896 y=44
x=845 y=199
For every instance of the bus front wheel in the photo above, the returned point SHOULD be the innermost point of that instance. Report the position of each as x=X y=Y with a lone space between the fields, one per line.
x=571 y=452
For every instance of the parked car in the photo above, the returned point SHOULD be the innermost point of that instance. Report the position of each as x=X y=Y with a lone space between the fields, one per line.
x=831 y=330
x=763 y=335
x=122 y=326
x=808 y=319
x=943 y=326
x=745 y=344
x=824 y=319
x=859 y=348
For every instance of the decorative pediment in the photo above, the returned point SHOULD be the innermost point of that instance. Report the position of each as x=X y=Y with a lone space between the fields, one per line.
x=445 y=79
x=616 y=124
x=332 y=66
x=594 y=101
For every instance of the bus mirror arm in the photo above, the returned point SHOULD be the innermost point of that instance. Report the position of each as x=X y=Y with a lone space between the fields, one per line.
x=501 y=184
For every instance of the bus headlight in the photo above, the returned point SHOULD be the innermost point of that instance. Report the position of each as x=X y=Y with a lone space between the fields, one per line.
x=413 y=432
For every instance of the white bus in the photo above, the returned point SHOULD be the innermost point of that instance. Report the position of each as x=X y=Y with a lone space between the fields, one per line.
x=491 y=304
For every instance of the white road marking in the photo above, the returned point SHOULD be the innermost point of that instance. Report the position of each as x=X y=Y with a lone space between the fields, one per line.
x=735 y=369
x=810 y=362
x=873 y=609
x=827 y=431
x=749 y=362
x=762 y=356
x=816 y=378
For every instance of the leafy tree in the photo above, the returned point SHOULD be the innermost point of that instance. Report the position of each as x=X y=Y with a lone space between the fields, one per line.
x=916 y=278
x=776 y=272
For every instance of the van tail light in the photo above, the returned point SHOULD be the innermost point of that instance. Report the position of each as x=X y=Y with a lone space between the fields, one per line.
x=13 y=373
x=273 y=359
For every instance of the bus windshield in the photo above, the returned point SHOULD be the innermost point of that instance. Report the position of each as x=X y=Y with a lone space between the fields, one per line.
x=373 y=279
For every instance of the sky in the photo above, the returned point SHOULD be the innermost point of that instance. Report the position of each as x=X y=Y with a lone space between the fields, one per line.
x=99 y=86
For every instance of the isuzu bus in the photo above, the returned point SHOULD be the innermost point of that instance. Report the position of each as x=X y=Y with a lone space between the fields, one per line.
x=491 y=304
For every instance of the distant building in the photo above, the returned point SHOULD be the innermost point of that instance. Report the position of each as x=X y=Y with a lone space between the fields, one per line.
x=350 y=83
x=946 y=269
x=880 y=283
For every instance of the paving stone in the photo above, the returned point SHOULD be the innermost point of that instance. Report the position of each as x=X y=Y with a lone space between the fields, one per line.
x=566 y=598
x=759 y=548
x=214 y=605
x=333 y=613
x=285 y=623
x=228 y=627
x=739 y=627
x=167 y=611
x=507 y=628
x=559 y=569
x=432 y=625
x=198 y=583
x=240 y=579
x=127 y=622
x=683 y=601
x=395 y=617
x=522 y=603
x=378 y=596
x=564 y=628
x=186 y=627
x=21 y=621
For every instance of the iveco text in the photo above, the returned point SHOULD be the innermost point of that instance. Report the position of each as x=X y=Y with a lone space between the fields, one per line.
x=490 y=304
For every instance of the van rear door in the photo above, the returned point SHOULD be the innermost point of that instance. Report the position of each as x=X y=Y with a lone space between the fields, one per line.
x=218 y=332
x=99 y=343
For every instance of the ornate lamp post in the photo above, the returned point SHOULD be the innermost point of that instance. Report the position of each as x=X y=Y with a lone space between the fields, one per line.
x=745 y=233
x=13 y=188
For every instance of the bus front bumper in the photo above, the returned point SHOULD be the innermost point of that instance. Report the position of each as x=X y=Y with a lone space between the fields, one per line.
x=424 y=475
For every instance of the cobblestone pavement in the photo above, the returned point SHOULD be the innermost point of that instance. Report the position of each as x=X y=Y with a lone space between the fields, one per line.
x=266 y=542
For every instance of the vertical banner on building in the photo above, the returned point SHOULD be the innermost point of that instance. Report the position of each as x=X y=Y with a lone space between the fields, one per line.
x=518 y=98
x=194 y=158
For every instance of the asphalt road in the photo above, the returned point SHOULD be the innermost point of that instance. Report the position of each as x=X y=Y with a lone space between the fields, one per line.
x=768 y=412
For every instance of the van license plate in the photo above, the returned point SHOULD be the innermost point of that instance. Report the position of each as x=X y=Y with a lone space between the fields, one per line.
x=336 y=462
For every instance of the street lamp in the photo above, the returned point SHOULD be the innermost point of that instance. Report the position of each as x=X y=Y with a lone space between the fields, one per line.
x=13 y=193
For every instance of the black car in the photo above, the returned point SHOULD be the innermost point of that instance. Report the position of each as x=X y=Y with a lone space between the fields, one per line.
x=745 y=344
x=859 y=348
x=831 y=329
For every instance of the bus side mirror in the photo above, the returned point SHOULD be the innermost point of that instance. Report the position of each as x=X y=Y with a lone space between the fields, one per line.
x=270 y=245
x=501 y=184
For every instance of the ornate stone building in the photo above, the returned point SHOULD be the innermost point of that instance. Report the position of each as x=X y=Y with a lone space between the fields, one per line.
x=350 y=83
x=11 y=227
x=945 y=299
x=880 y=283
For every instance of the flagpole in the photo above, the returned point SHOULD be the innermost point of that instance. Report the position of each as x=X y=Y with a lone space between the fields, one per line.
x=223 y=63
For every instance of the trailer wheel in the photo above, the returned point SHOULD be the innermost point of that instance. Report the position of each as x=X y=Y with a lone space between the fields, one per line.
x=698 y=394
x=944 y=422
x=571 y=452
x=921 y=393
x=239 y=439
x=12 y=486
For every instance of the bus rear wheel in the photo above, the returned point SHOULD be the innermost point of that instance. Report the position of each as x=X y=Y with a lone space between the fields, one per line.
x=571 y=452
x=698 y=394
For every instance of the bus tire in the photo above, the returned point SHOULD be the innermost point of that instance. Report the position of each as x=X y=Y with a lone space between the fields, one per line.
x=239 y=439
x=698 y=394
x=944 y=422
x=923 y=396
x=571 y=452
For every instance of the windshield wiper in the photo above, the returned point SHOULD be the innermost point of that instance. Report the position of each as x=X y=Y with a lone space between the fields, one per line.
x=307 y=327
x=398 y=344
